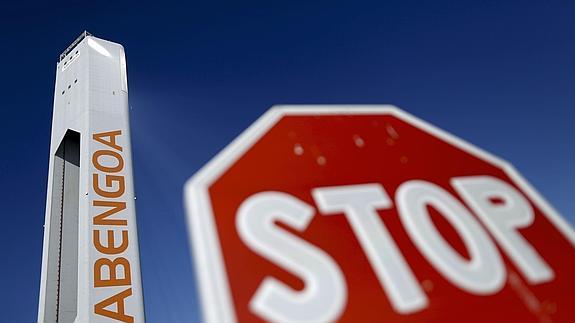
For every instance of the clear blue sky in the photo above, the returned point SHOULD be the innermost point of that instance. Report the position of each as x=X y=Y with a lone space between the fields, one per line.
x=500 y=75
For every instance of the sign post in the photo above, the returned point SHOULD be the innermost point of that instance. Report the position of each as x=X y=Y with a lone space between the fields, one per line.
x=368 y=214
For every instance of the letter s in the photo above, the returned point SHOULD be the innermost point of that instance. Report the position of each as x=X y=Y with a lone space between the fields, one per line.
x=324 y=295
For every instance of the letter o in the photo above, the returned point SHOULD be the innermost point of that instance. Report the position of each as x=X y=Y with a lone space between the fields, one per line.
x=484 y=274
x=105 y=169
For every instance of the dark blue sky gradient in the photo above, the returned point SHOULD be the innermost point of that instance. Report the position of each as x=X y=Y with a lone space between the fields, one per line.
x=500 y=75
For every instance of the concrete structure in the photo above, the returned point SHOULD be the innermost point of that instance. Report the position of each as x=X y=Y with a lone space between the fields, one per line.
x=90 y=262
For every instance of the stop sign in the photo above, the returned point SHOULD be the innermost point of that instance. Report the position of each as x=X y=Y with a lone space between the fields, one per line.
x=368 y=214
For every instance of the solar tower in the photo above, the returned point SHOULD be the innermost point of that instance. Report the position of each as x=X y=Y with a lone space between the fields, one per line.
x=90 y=261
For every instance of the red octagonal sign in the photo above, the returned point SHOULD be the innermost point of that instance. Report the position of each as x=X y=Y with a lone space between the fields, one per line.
x=368 y=214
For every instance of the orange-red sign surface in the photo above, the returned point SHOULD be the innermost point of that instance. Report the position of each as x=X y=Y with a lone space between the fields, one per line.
x=367 y=214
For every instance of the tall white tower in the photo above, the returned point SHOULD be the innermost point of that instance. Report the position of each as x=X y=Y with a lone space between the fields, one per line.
x=90 y=261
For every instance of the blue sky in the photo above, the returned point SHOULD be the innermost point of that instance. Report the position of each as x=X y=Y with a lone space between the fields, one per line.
x=500 y=75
